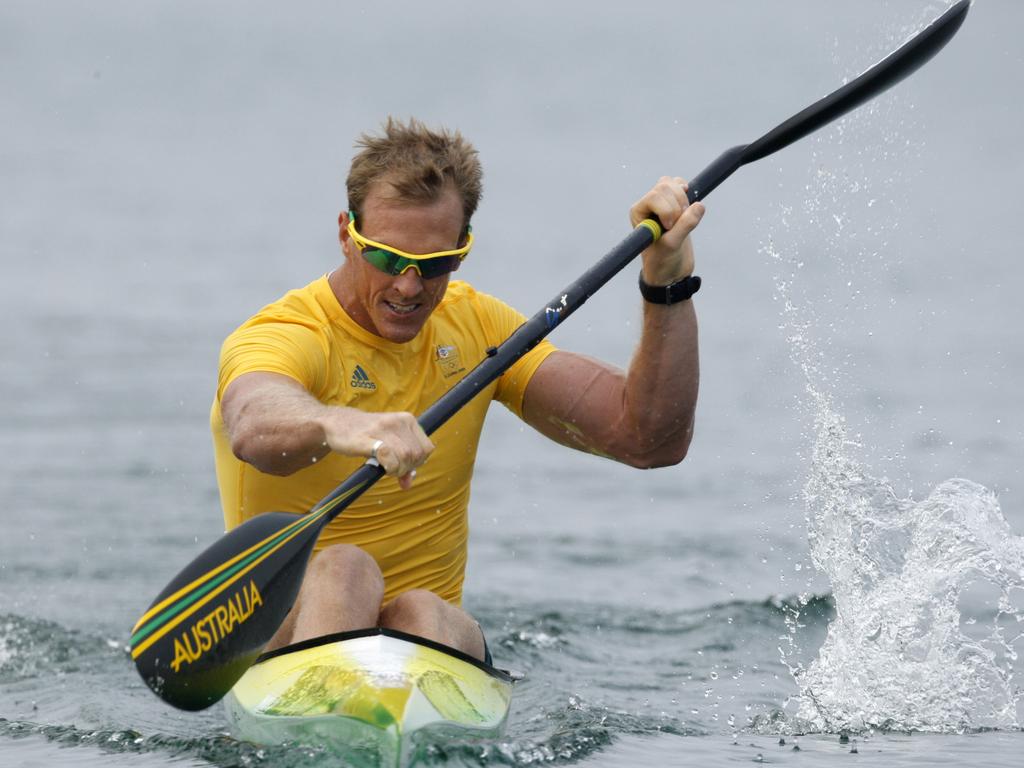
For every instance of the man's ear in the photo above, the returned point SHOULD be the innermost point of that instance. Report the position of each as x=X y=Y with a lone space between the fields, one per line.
x=343 y=237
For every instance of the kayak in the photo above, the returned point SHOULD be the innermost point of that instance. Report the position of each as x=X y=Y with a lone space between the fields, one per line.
x=373 y=695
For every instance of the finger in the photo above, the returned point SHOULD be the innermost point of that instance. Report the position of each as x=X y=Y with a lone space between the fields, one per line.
x=659 y=203
x=668 y=211
x=685 y=224
x=410 y=457
x=394 y=458
x=685 y=191
x=667 y=200
x=387 y=459
x=420 y=446
x=415 y=436
x=397 y=449
x=375 y=449
x=679 y=236
x=421 y=438
x=676 y=188
x=426 y=446
x=405 y=481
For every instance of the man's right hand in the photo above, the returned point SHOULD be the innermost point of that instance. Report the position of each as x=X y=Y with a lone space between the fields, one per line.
x=403 y=445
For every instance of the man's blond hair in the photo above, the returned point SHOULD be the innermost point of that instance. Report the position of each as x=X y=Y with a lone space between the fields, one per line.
x=418 y=163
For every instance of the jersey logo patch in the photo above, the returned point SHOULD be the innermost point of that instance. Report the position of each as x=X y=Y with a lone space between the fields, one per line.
x=447 y=356
x=361 y=380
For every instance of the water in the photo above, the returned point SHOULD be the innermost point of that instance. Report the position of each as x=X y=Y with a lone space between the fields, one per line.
x=812 y=573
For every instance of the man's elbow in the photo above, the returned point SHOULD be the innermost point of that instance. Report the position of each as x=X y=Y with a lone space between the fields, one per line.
x=254 y=449
x=666 y=454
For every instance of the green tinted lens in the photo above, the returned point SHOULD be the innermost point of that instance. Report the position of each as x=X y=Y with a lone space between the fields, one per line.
x=393 y=264
x=386 y=261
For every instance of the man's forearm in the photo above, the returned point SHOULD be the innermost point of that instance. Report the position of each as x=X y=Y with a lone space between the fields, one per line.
x=643 y=417
x=279 y=427
x=661 y=387
x=275 y=427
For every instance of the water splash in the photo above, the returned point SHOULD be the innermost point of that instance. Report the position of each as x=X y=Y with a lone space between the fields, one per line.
x=905 y=650
x=898 y=654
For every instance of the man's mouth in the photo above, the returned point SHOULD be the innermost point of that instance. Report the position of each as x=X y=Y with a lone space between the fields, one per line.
x=402 y=309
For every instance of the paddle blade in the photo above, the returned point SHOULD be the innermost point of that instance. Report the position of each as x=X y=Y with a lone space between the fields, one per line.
x=883 y=75
x=214 y=618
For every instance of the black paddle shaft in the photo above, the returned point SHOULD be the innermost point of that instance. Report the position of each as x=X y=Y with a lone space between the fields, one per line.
x=886 y=73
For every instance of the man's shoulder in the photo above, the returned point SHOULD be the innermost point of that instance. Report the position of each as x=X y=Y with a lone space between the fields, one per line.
x=305 y=306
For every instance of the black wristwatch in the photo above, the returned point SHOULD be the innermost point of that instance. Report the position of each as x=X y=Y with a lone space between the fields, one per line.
x=680 y=290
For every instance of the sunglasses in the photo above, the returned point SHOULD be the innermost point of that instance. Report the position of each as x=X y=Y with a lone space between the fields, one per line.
x=392 y=261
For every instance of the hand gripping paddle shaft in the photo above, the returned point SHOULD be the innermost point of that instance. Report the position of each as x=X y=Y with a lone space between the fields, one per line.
x=214 y=618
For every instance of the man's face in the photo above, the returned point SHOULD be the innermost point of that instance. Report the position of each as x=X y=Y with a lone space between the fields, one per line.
x=396 y=307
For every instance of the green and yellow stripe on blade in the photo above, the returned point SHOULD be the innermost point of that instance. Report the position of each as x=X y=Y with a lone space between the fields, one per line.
x=174 y=609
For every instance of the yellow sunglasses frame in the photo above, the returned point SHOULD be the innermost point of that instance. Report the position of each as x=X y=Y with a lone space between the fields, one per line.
x=364 y=242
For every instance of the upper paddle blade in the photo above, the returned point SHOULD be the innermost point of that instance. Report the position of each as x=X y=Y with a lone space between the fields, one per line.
x=883 y=75
x=212 y=621
x=886 y=73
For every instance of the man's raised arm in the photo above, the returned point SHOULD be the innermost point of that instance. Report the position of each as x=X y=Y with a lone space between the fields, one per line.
x=643 y=417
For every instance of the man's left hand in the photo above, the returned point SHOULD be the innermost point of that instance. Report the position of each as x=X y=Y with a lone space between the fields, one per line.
x=671 y=258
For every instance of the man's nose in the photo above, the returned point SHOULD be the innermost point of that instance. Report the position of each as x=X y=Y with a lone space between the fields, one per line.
x=409 y=283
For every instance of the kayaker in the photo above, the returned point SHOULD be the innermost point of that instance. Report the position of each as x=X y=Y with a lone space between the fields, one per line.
x=333 y=373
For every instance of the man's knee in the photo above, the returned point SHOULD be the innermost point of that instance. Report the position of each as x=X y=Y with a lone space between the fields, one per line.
x=421 y=612
x=414 y=607
x=348 y=565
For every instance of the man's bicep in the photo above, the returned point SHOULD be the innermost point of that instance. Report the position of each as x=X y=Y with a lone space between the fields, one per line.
x=576 y=401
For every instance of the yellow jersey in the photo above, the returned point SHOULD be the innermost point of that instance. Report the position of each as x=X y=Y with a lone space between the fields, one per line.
x=419 y=536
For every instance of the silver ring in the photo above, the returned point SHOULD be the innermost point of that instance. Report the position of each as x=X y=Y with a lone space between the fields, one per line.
x=376 y=447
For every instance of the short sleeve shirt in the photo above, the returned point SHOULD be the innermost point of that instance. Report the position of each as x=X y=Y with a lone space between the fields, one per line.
x=419 y=536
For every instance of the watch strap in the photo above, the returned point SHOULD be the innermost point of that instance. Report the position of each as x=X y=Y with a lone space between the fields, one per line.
x=680 y=290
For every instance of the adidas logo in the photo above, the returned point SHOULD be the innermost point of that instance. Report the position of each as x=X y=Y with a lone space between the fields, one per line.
x=361 y=380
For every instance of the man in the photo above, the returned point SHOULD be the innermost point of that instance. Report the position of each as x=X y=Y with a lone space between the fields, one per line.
x=333 y=373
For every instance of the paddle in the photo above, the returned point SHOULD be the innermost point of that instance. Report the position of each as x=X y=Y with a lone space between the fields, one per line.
x=214 y=618
x=886 y=73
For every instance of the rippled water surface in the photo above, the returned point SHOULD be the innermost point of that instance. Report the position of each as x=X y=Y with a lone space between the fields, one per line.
x=837 y=567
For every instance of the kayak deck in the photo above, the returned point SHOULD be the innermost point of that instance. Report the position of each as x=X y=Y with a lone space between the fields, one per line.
x=372 y=694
